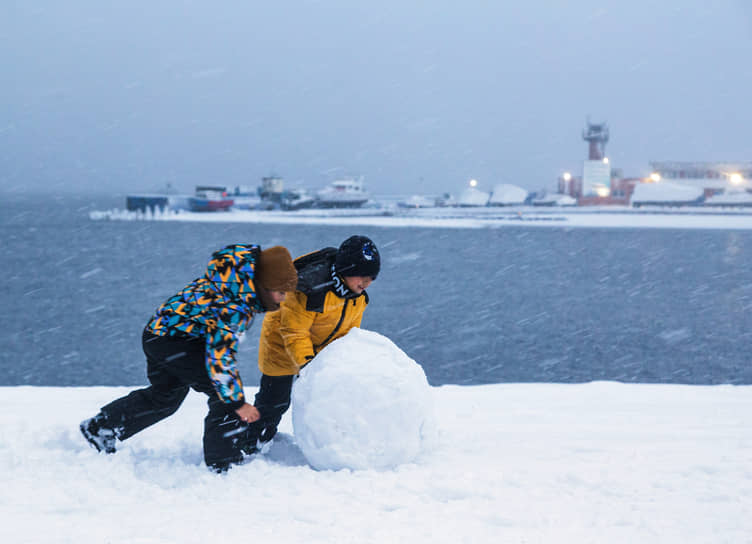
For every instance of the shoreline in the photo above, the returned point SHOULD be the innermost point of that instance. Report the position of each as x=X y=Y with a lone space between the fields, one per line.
x=597 y=217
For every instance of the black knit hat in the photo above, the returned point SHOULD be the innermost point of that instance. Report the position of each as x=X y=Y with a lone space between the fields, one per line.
x=358 y=256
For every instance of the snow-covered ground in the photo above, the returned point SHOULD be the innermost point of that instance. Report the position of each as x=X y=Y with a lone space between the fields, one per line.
x=537 y=463
x=479 y=217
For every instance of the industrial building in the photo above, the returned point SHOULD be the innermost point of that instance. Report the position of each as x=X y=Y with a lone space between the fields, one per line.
x=717 y=183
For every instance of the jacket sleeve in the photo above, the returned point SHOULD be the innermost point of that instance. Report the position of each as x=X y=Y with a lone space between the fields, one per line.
x=230 y=272
x=221 y=346
x=295 y=328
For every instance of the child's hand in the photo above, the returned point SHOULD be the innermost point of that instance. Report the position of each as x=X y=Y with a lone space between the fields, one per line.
x=248 y=413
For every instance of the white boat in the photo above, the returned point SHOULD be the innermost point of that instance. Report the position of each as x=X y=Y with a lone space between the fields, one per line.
x=343 y=193
x=297 y=199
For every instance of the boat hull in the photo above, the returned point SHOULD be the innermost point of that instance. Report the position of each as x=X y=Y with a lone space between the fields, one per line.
x=323 y=203
x=198 y=204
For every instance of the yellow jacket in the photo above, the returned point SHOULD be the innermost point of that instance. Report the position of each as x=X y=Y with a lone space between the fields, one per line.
x=307 y=320
x=293 y=335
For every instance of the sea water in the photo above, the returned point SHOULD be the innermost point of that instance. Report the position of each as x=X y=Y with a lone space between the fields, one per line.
x=471 y=306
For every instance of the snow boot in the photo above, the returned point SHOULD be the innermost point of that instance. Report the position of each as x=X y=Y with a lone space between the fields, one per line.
x=98 y=434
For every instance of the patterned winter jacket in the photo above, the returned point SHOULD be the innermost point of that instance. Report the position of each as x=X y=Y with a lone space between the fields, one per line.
x=218 y=306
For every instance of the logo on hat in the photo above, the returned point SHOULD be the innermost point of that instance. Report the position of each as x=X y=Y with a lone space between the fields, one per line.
x=368 y=250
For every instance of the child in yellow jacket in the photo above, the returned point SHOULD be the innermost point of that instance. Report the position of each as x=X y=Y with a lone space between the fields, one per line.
x=329 y=301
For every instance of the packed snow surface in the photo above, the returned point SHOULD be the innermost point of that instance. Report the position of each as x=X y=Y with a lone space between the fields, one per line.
x=362 y=403
x=474 y=217
x=581 y=463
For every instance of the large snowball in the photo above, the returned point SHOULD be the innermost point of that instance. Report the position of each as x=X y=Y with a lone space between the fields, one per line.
x=362 y=403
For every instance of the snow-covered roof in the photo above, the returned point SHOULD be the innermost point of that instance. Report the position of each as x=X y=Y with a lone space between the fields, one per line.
x=473 y=197
x=704 y=183
x=507 y=194
x=555 y=199
x=665 y=191
x=418 y=201
x=736 y=198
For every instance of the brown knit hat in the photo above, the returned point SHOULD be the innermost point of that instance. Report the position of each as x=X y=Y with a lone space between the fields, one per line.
x=275 y=270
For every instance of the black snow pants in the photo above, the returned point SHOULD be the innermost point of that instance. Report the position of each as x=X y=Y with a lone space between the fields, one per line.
x=272 y=401
x=176 y=364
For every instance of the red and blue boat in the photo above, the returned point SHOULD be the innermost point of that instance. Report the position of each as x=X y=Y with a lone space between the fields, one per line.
x=210 y=199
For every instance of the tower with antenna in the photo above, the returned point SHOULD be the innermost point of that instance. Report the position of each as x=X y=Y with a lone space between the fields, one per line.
x=596 y=171
x=596 y=135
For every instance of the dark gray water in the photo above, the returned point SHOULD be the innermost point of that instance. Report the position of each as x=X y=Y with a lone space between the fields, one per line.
x=471 y=306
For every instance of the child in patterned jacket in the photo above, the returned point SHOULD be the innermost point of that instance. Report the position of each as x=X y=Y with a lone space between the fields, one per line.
x=191 y=342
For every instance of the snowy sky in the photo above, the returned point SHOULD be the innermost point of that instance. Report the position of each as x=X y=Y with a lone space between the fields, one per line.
x=418 y=97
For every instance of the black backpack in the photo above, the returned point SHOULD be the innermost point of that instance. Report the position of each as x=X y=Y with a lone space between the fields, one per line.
x=314 y=275
x=322 y=256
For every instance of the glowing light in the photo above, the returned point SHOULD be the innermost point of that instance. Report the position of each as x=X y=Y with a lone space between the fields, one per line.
x=602 y=190
x=655 y=177
x=473 y=182
x=736 y=178
x=605 y=160
x=567 y=176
